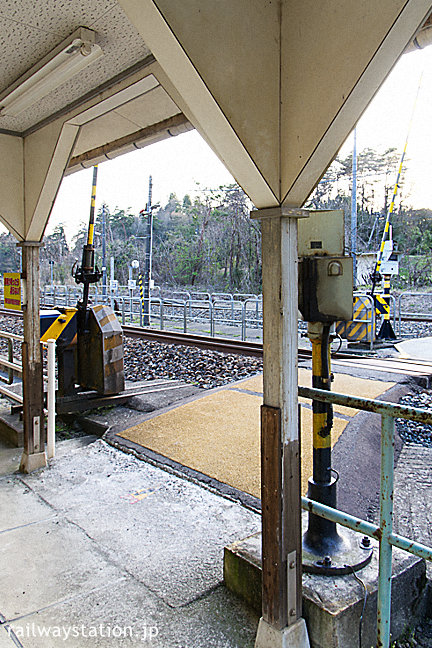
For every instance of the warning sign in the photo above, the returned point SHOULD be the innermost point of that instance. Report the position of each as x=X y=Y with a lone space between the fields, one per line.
x=12 y=290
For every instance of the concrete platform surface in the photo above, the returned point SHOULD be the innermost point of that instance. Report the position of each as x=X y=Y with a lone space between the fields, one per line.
x=416 y=348
x=100 y=549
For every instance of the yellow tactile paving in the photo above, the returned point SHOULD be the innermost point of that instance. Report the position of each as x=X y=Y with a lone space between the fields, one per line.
x=343 y=383
x=219 y=434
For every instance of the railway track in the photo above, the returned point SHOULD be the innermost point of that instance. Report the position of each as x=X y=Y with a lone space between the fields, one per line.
x=225 y=345
x=408 y=367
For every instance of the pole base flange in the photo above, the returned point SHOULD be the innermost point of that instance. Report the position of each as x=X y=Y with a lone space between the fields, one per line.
x=353 y=553
x=386 y=331
x=31 y=462
x=293 y=636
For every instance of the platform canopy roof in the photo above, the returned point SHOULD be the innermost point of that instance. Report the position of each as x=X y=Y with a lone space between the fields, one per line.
x=274 y=87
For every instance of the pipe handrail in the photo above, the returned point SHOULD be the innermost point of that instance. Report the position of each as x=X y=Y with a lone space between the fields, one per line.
x=384 y=531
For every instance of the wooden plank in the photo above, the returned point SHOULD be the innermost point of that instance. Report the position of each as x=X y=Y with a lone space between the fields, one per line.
x=273 y=562
x=281 y=510
x=292 y=537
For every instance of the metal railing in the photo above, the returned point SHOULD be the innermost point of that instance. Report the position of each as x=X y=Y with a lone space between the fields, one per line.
x=15 y=368
x=11 y=366
x=411 y=295
x=384 y=531
x=237 y=306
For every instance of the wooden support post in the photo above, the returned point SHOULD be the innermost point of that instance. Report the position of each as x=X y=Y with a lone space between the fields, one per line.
x=33 y=411
x=281 y=624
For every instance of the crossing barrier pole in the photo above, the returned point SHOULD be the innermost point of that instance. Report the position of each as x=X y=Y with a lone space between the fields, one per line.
x=386 y=331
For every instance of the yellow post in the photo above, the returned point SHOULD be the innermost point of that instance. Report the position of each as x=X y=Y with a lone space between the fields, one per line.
x=321 y=538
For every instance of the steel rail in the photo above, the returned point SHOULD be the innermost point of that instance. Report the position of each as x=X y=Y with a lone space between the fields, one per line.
x=225 y=345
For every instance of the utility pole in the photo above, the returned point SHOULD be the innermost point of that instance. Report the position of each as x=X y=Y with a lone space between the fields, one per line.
x=104 y=270
x=148 y=257
x=354 y=210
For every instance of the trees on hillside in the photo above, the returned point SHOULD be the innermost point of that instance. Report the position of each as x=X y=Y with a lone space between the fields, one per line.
x=209 y=241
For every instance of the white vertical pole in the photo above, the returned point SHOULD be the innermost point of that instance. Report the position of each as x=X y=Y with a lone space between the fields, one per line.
x=281 y=624
x=51 y=400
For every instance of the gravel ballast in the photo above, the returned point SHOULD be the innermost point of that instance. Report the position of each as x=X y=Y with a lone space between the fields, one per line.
x=411 y=431
x=207 y=369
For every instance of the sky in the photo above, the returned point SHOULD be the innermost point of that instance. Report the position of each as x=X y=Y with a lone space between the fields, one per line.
x=185 y=164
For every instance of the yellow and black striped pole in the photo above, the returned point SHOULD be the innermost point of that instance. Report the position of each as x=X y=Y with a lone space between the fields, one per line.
x=90 y=234
x=386 y=331
x=141 y=292
x=327 y=549
x=321 y=536
x=385 y=235
x=87 y=273
x=88 y=251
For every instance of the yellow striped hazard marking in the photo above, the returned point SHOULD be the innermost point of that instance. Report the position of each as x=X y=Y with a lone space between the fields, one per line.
x=356 y=330
x=59 y=325
x=381 y=306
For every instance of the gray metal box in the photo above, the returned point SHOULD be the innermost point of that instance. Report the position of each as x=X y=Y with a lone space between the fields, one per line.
x=326 y=288
x=321 y=233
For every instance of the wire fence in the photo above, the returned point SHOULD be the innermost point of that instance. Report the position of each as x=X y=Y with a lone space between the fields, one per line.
x=237 y=315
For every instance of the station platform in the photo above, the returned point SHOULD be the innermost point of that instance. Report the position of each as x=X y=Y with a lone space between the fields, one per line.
x=102 y=549
x=416 y=348
x=218 y=434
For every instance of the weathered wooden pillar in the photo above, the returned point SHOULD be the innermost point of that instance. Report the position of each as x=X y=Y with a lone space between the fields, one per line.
x=33 y=411
x=281 y=624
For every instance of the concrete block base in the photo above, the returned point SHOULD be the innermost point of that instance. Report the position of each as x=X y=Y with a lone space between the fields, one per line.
x=294 y=636
x=31 y=462
x=11 y=430
x=332 y=605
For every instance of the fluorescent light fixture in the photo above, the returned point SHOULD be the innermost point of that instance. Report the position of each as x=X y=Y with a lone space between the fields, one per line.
x=60 y=65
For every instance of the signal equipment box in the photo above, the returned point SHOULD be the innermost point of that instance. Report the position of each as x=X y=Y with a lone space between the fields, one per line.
x=325 y=273
x=100 y=352
x=325 y=288
x=390 y=260
x=322 y=233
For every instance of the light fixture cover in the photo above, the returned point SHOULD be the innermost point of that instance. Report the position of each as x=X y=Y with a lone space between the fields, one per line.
x=61 y=64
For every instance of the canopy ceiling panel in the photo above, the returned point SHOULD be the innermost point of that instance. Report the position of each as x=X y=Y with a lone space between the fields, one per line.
x=337 y=47
x=149 y=109
x=154 y=106
x=276 y=87
x=273 y=87
x=30 y=30
x=109 y=100
x=234 y=47
x=11 y=175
